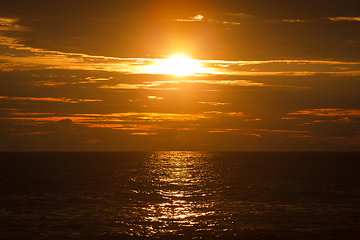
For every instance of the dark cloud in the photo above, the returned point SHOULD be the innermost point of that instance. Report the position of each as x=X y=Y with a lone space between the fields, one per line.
x=65 y=123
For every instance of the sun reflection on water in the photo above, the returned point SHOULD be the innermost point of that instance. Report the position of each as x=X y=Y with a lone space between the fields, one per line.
x=180 y=178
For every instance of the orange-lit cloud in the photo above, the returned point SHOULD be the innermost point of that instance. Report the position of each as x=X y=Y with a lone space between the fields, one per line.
x=258 y=132
x=49 y=99
x=27 y=113
x=130 y=122
x=144 y=133
x=282 y=131
x=47 y=83
x=293 y=20
x=242 y=15
x=157 y=84
x=182 y=84
x=287 y=61
x=340 y=120
x=353 y=19
x=113 y=117
x=29 y=133
x=325 y=116
x=345 y=141
x=214 y=103
x=231 y=23
x=126 y=121
x=196 y=18
x=235 y=114
x=26 y=58
x=96 y=79
x=10 y=24
x=125 y=127
x=200 y=17
x=154 y=98
x=328 y=112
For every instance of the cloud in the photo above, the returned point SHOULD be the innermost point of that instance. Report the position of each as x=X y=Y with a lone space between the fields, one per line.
x=36 y=58
x=30 y=58
x=260 y=132
x=340 y=120
x=9 y=24
x=328 y=112
x=129 y=86
x=154 y=98
x=286 y=67
x=346 y=141
x=287 y=61
x=112 y=117
x=196 y=18
x=241 y=15
x=235 y=114
x=282 y=131
x=352 y=19
x=126 y=121
x=28 y=113
x=131 y=122
x=29 y=133
x=49 y=99
x=65 y=123
x=230 y=23
x=144 y=133
x=326 y=116
x=186 y=84
x=200 y=17
x=293 y=20
x=229 y=18
x=48 y=83
x=214 y=103
x=96 y=79
x=33 y=58
x=156 y=84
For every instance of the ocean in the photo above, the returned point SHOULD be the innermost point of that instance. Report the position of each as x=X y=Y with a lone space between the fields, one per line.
x=180 y=195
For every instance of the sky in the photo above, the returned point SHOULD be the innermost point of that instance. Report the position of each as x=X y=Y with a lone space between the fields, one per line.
x=210 y=75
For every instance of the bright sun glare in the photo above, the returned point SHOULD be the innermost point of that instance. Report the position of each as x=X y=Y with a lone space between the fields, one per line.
x=180 y=65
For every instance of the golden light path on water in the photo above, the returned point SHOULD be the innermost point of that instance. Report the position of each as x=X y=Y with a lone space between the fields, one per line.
x=198 y=195
x=181 y=179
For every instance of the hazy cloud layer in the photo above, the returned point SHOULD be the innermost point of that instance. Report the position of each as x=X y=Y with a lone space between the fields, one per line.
x=28 y=58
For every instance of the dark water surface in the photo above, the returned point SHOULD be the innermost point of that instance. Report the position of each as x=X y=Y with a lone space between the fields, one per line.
x=180 y=195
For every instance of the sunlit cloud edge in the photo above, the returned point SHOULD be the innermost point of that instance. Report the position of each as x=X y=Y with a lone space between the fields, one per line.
x=44 y=59
x=49 y=99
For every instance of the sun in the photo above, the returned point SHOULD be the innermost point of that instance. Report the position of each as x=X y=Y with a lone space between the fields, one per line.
x=180 y=65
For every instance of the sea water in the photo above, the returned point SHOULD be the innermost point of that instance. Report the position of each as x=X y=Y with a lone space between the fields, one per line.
x=180 y=195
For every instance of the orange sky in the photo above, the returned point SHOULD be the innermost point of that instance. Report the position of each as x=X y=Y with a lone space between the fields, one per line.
x=246 y=76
